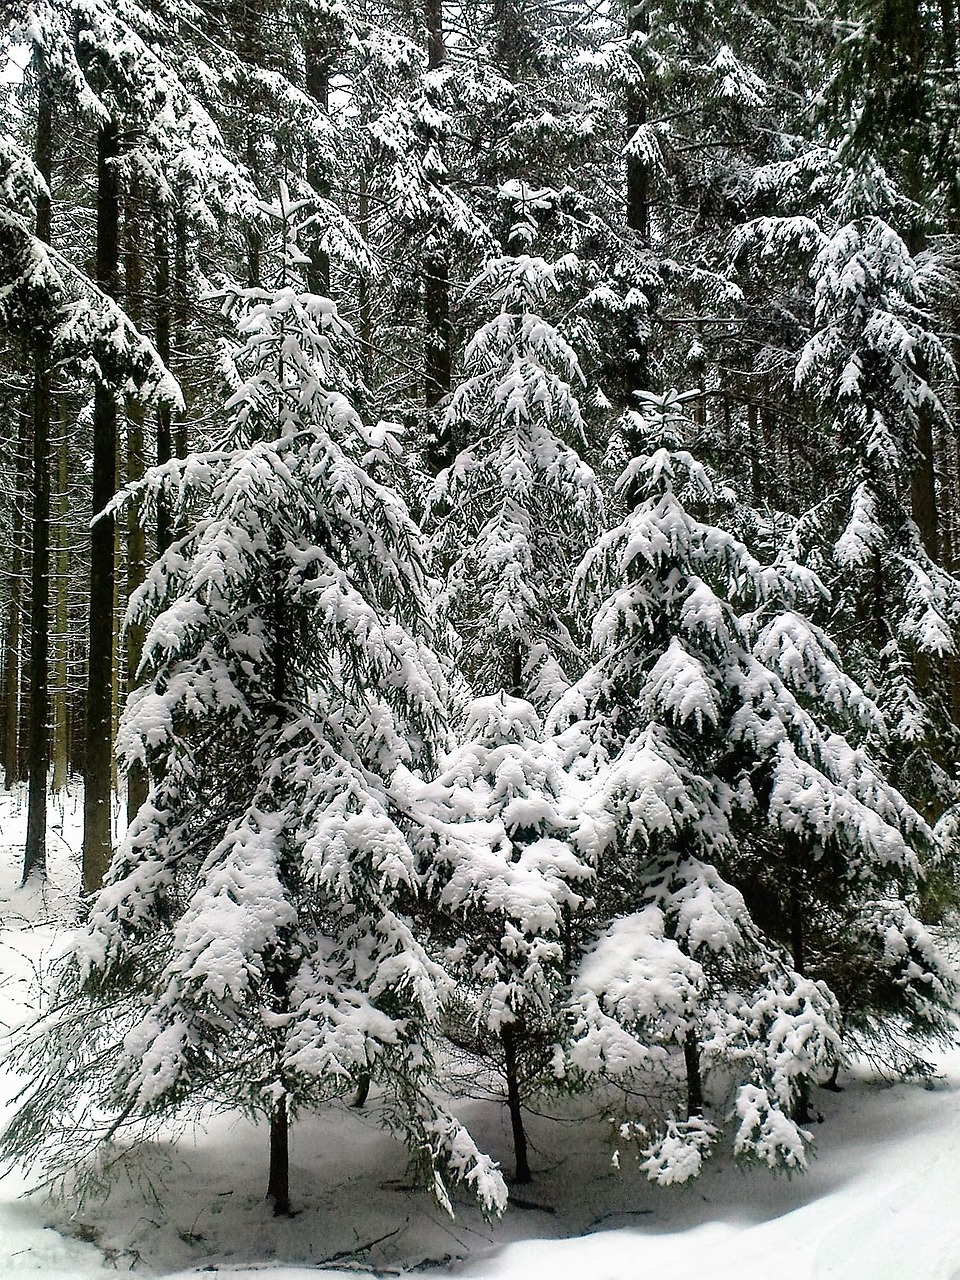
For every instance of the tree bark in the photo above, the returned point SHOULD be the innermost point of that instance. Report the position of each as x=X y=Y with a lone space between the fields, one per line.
x=278 y=1184
x=135 y=461
x=801 y=1107
x=98 y=753
x=12 y=656
x=181 y=317
x=38 y=740
x=514 y=1106
x=318 y=69
x=164 y=442
x=923 y=488
x=438 y=338
x=60 y=692
x=691 y=1059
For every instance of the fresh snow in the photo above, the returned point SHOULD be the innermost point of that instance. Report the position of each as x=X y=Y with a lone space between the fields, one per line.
x=877 y=1204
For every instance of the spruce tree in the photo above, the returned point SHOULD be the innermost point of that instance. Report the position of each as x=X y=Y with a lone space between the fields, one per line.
x=254 y=942
x=710 y=723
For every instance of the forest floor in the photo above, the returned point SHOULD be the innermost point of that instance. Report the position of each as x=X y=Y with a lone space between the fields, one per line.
x=879 y=1202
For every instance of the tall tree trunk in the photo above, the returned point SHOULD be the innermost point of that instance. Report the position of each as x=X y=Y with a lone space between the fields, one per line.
x=12 y=656
x=98 y=753
x=318 y=68
x=61 y=625
x=162 y=317
x=181 y=318
x=923 y=488
x=438 y=355
x=135 y=461
x=365 y=298
x=38 y=740
x=638 y=212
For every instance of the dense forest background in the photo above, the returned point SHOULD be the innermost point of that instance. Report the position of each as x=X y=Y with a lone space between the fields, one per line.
x=535 y=427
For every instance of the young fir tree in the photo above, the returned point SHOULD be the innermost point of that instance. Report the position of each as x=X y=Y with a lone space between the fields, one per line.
x=709 y=723
x=871 y=365
x=520 y=505
x=512 y=889
x=253 y=943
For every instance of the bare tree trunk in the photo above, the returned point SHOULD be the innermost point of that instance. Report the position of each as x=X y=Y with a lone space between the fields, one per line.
x=514 y=1105
x=182 y=323
x=438 y=343
x=801 y=1109
x=691 y=1059
x=923 y=488
x=38 y=740
x=318 y=69
x=364 y=292
x=98 y=753
x=161 y=254
x=12 y=638
x=135 y=461
x=61 y=625
x=278 y=1183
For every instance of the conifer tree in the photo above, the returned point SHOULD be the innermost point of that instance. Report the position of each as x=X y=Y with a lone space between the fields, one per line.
x=520 y=502
x=511 y=888
x=709 y=717
x=254 y=940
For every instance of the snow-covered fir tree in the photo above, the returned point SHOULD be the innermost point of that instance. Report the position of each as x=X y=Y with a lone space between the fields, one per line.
x=710 y=723
x=253 y=943
x=512 y=890
x=518 y=506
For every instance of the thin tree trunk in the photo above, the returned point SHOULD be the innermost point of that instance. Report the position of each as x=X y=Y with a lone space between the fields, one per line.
x=438 y=338
x=514 y=1106
x=278 y=1184
x=136 y=535
x=638 y=220
x=182 y=323
x=12 y=655
x=38 y=740
x=161 y=254
x=363 y=1091
x=118 y=672
x=691 y=1059
x=364 y=292
x=801 y=1109
x=61 y=626
x=923 y=488
x=13 y=637
x=98 y=753
x=318 y=69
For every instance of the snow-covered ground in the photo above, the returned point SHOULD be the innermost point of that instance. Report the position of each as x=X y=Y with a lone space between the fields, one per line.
x=880 y=1201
